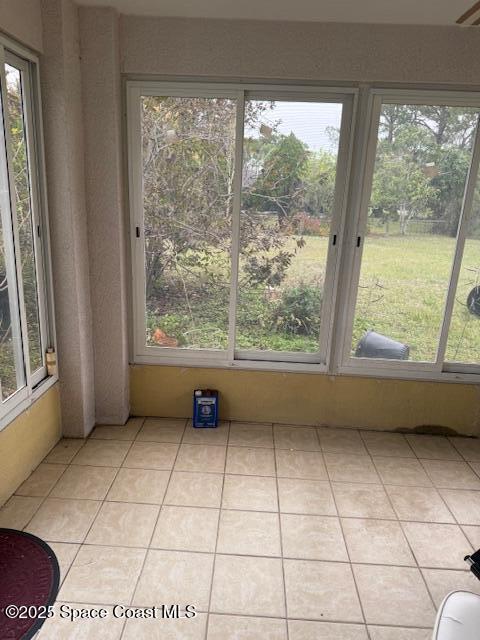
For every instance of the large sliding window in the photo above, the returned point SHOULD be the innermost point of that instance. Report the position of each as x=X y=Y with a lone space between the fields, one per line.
x=239 y=200
x=24 y=327
x=328 y=229
x=416 y=238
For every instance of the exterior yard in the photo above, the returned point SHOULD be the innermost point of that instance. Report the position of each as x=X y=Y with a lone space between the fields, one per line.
x=403 y=285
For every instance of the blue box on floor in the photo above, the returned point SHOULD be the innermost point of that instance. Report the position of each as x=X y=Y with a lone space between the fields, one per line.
x=205 y=408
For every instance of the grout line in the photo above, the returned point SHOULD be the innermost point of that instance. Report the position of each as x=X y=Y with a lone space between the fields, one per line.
x=82 y=544
x=267 y=617
x=154 y=527
x=93 y=521
x=348 y=482
x=285 y=602
x=362 y=433
x=470 y=464
x=407 y=540
x=264 y=557
x=423 y=462
x=102 y=502
x=335 y=452
x=289 y=512
x=352 y=573
x=216 y=540
x=242 y=509
x=43 y=498
x=450 y=511
x=42 y=501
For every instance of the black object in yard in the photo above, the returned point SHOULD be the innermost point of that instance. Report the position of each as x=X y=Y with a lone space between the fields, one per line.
x=374 y=345
x=473 y=301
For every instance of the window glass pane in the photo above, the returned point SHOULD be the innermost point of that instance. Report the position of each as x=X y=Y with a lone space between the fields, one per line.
x=11 y=368
x=463 y=343
x=422 y=160
x=12 y=375
x=23 y=203
x=188 y=165
x=289 y=169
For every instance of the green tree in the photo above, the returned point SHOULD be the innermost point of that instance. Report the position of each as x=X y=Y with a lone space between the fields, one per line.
x=400 y=188
x=278 y=187
x=422 y=161
x=319 y=183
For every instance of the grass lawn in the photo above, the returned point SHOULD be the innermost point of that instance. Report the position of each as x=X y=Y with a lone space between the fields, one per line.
x=403 y=284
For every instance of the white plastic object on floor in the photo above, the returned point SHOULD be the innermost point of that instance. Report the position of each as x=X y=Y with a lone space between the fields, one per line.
x=458 y=617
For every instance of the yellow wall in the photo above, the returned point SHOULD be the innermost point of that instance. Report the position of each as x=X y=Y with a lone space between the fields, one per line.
x=27 y=440
x=315 y=399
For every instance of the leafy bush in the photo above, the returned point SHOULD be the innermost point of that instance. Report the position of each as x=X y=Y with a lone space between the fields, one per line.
x=253 y=310
x=298 y=311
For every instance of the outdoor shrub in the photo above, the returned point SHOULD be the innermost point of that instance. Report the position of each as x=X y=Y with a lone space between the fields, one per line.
x=254 y=309
x=298 y=311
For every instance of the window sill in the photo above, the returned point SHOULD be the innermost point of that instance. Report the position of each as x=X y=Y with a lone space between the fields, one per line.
x=303 y=367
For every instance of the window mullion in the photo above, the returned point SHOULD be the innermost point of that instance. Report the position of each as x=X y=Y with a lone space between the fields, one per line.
x=361 y=175
x=337 y=230
x=235 y=242
x=42 y=203
x=460 y=245
x=137 y=236
x=37 y=227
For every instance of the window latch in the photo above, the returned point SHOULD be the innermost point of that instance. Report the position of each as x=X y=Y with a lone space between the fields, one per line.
x=359 y=240
x=137 y=231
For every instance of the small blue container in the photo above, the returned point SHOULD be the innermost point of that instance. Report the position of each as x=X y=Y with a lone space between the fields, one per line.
x=205 y=408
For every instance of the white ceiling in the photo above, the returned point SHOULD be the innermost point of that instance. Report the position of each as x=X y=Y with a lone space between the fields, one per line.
x=434 y=12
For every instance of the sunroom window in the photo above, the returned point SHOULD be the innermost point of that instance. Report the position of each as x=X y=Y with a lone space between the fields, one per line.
x=422 y=161
x=237 y=199
x=326 y=229
x=24 y=331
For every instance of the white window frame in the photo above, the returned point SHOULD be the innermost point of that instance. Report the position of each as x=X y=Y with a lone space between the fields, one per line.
x=37 y=382
x=347 y=100
x=365 y=161
x=355 y=164
x=233 y=357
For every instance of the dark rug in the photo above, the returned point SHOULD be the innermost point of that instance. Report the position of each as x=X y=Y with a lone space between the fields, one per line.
x=29 y=579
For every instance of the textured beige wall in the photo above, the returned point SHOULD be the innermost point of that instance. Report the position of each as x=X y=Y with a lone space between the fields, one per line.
x=300 y=51
x=27 y=440
x=102 y=112
x=63 y=124
x=22 y=19
x=301 y=398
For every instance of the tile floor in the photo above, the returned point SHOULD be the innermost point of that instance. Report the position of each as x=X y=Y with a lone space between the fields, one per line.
x=273 y=532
